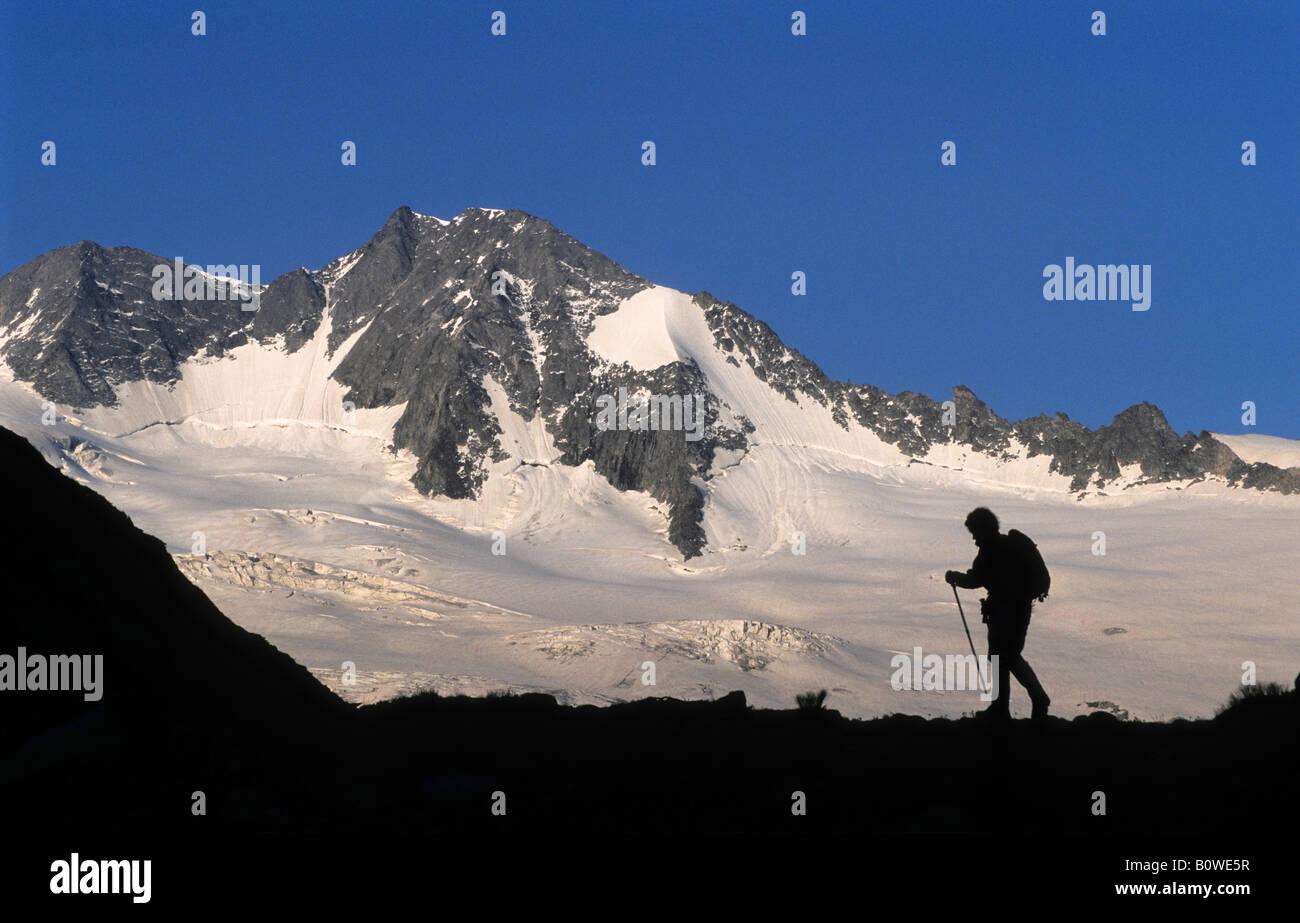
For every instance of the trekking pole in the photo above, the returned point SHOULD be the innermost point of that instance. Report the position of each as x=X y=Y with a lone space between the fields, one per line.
x=978 y=676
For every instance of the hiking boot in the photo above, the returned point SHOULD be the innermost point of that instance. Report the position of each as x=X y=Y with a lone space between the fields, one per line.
x=1040 y=708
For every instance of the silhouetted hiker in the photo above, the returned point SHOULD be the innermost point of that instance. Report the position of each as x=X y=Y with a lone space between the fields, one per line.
x=1013 y=578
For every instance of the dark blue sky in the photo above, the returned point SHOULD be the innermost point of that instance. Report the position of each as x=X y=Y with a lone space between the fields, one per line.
x=775 y=153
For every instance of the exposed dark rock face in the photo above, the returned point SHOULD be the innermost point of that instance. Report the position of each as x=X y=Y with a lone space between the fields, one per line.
x=292 y=307
x=497 y=294
x=95 y=324
x=431 y=310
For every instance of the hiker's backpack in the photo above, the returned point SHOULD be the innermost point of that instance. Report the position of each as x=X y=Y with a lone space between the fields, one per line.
x=1032 y=581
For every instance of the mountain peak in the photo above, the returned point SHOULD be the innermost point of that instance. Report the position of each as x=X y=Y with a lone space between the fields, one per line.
x=402 y=217
x=477 y=329
x=1142 y=414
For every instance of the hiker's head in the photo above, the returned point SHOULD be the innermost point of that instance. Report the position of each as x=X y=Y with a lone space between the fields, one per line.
x=982 y=524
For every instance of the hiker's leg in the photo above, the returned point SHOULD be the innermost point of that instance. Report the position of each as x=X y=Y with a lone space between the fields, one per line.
x=1002 y=702
x=1024 y=673
x=1008 y=625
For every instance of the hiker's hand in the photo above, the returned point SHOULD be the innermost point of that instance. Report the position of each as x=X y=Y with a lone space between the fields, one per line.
x=951 y=577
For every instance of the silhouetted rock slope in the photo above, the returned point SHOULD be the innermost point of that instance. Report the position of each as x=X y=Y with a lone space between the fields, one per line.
x=193 y=703
x=188 y=698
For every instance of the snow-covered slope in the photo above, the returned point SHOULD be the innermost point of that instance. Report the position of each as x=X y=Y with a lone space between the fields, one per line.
x=1268 y=450
x=400 y=469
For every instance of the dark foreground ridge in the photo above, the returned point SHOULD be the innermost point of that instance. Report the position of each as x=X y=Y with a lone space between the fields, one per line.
x=192 y=703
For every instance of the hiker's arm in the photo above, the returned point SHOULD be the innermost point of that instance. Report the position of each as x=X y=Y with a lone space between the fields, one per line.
x=972 y=579
x=967 y=581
